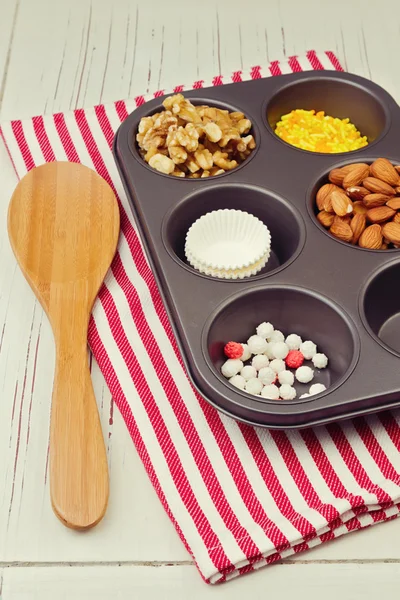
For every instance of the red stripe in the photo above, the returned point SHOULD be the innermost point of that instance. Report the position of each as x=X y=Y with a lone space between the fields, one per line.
x=217 y=80
x=302 y=480
x=65 y=138
x=158 y=93
x=275 y=68
x=334 y=60
x=139 y=100
x=294 y=64
x=237 y=76
x=376 y=451
x=211 y=541
x=125 y=410
x=353 y=464
x=178 y=89
x=255 y=72
x=121 y=109
x=314 y=60
x=19 y=134
x=42 y=138
x=198 y=84
x=392 y=428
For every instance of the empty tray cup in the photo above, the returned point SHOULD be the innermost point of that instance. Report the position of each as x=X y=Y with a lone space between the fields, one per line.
x=380 y=307
x=291 y=310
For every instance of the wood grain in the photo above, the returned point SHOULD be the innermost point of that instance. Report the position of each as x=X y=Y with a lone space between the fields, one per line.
x=63 y=224
x=118 y=50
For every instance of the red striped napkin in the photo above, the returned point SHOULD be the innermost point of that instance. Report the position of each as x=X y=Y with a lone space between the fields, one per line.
x=239 y=497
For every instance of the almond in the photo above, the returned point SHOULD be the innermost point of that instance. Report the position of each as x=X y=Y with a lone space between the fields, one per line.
x=373 y=200
x=376 y=186
x=384 y=170
x=341 y=204
x=355 y=176
x=336 y=176
x=371 y=238
x=384 y=247
x=325 y=218
x=359 y=208
x=356 y=192
x=341 y=230
x=323 y=192
x=358 y=224
x=347 y=168
x=397 y=190
x=380 y=214
x=396 y=218
x=397 y=167
x=394 y=203
x=391 y=231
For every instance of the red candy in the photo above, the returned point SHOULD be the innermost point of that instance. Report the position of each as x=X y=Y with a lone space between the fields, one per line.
x=294 y=359
x=233 y=350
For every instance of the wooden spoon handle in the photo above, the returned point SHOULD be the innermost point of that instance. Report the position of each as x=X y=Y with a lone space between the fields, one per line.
x=78 y=464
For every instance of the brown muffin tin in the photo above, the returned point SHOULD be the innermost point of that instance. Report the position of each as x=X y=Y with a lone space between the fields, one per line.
x=346 y=299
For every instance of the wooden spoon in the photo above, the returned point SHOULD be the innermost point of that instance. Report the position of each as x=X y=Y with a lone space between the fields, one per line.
x=63 y=224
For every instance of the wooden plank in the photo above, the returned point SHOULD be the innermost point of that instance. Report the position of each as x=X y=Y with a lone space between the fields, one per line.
x=9 y=15
x=314 y=581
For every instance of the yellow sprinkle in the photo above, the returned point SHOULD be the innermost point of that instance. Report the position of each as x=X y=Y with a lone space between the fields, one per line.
x=318 y=132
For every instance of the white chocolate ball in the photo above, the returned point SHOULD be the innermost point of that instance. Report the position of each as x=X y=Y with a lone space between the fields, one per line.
x=253 y=386
x=320 y=361
x=271 y=392
x=294 y=341
x=304 y=374
x=238 y=381
x=316 y=388
x=265 y=330
x=277 y=336
x=246 y=353
x=248 y=372
x=277 y=365
x=286 y=377
x=231 y=367
x=280 y=349
x=269 y=353
x=260 y=361
x=257 y=344
x=266 y=375
x=287 y=392
x=308 y=349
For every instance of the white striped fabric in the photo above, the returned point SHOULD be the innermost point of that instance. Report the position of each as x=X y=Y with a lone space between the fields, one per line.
x=239 y=497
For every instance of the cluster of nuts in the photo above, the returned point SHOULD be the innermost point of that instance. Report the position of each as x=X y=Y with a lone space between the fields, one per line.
x=194 y=141
x=361 y=204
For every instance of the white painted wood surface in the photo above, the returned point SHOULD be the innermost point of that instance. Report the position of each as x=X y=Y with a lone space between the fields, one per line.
x=60 y=55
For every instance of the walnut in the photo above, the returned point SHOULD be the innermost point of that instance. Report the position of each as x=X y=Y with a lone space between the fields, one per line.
x=204 y=158
x=216 y=171
x=156 y=135
x=191 y=164
x=246 y=143
x=178 y=154
x=182 y=107
x=178 y=173
x=236 y=116
x=194 y=176
x=220 y=159
x=205 y=174
x=213 y=132
x=244 y=126
x=187 y=136
x=162 y=163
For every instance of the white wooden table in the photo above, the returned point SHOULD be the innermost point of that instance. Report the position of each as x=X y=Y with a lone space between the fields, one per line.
x=60 y=55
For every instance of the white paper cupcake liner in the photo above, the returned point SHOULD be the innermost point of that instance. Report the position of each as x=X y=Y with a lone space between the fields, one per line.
x=231 y=273
x=227 y=240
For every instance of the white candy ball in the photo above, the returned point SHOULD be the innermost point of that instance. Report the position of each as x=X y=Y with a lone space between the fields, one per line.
x=265 y=330
x=253 y=386
x=304 y=374
x=277 y=365
x=304 y=396
x=277 y=336
x=294 y=341
x=257 y=345
x=280 y=349
x=269 y=353
x=320 y=361
x=287 y=392
x=308 y=349
x=231 y=367
x=248 y=372
x=317 y=388
x=286 y=377
x=271 y=392
x=260 y=361
x=238 y=381
x=246 y=353
x=266 y=375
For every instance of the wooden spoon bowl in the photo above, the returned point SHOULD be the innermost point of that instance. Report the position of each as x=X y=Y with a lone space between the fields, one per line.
x=63 y=224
